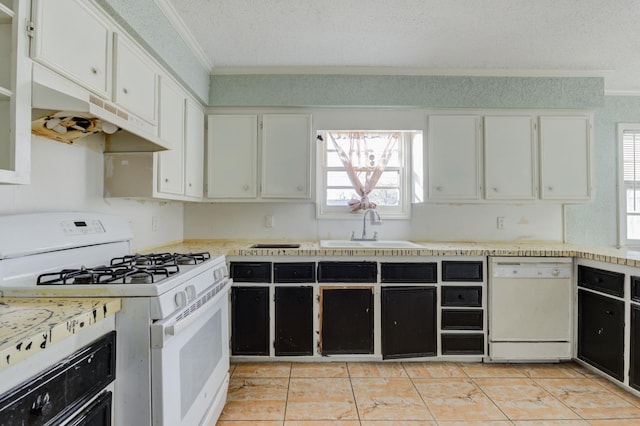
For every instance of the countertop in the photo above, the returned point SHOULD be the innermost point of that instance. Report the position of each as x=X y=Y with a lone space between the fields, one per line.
x=429 y=248
x=30 y=325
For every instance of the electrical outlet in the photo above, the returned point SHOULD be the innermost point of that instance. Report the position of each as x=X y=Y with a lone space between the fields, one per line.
x=500 y=222
x=155 y=223
x=268 y=221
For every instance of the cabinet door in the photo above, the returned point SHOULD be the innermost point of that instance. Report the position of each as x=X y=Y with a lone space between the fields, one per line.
x=286 y=160
x=73 y=40
x=135 y=80
x=408 y=322
x=601 y=332
x=232 y=156
x=509 y=158
x=634 y=370
x=294 y=321
x=453 y=157
x=194 y=150
x=565 y=172
x=171 y=162
x=15 y=94
x=347 y=321
x=250 y=320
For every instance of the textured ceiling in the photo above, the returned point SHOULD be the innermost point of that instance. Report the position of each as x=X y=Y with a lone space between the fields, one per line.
x=482 y=37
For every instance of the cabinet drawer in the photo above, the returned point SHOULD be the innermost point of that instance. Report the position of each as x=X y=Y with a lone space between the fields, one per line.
x=408 y=272
x=296 y=272
x=601 y=280
x=461 y=271
x=250 y=272
x=347 y=272
x=63 y=388
x=470 y=296
x=462 y=319
x=462 y=344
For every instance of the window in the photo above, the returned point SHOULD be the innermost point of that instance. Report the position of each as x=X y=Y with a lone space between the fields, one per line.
x=629 y=135
x=366 y=150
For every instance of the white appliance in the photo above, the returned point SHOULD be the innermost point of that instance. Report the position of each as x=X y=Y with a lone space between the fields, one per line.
x=530 y=309
x=172 y=332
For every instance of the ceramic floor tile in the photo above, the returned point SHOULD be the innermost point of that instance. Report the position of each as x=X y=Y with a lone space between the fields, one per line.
x=249 y=423
x=550 y=371
x=523 y=399
x=477 y=423
x=622 y=393
x=321 y=423
x=479 y=369
x=397 y=423
x=388 y=399
x=262 y=369
x=256 y=399
x=320 y=399
x=432 y=370
x=376 y=369
x=589 y=399
x=616 y=422
x=319 y=369
x=457 y=399
x=552 y=423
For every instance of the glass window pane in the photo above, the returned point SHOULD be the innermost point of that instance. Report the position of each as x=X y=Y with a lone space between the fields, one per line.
x=633 y=227
x=336 y=178
x=339 y=197
x=633 y=200
x=385 y=197
x=390 y=178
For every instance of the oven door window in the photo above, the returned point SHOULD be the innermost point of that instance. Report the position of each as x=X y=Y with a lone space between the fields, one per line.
x=191 y=365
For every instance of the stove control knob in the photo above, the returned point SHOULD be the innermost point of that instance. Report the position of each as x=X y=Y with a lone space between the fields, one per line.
x=190 y=290
x=181 y=299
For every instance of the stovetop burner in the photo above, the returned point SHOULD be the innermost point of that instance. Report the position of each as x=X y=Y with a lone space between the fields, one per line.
x=129 y=269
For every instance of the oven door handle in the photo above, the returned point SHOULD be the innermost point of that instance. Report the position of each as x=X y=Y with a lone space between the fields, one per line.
x=161 y=331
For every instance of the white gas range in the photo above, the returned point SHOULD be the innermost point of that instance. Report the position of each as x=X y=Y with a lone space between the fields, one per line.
x=172 y=332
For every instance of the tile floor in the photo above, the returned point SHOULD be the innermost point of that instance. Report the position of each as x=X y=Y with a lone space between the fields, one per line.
x=425 y=393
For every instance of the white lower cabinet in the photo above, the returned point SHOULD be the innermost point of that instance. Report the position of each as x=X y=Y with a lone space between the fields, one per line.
x=279 y=144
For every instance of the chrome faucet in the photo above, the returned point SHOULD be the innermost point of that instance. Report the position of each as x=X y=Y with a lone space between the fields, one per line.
x=375 y=220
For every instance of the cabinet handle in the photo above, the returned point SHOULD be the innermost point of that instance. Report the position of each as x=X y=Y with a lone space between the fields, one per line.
x=94 y=70
x=608 y=312
x=600 y=331
x=166 y=180
x=550 y=188
x=125 y=90
x=495 y=189
x=42 y=405
x=460 y=297
x=189 y=184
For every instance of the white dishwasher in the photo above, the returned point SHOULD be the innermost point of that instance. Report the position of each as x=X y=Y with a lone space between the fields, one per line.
x=530 y=314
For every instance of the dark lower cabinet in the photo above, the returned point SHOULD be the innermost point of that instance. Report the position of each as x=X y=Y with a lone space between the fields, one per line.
x=250 y=320
x=601 y=332
x=347 y=321
x=294 y=321
x=408 y=322
x=634 y=373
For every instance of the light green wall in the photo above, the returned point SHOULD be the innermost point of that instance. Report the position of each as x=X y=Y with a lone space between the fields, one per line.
x=144 y=20
x=423 y=91
x=596 y=222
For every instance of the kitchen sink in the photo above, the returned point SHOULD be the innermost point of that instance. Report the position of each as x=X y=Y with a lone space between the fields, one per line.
x=368 y=244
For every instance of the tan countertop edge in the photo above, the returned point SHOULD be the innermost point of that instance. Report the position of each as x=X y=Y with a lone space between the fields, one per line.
x=430 y=248
x=30 y=325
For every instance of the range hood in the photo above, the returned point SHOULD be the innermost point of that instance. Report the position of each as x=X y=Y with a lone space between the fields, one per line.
x=67 y=111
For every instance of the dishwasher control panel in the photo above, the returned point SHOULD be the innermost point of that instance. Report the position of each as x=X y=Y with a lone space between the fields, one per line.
x=507 y=269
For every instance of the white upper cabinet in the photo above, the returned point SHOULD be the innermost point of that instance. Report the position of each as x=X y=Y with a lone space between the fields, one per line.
x=73 y=40
x=509 y=152
x=15 y=93
x=453 y=157
x=232 y=156
x=194 y=150
x=565 y=171
x=171 y=162
x=286 y=143
x=135 y=86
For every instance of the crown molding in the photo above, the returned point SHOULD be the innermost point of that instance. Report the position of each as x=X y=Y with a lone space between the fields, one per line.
x=183 y=29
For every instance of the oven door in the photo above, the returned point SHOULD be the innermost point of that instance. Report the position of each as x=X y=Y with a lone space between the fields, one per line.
x=190 y=361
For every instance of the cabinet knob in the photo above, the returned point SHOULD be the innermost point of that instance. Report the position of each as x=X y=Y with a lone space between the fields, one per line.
x=190 y=185
x=495 y=189
x=125 y=90
x=550 y=188
x=94 y=70
x=245 y=187
x=438 y=188
x=300 y=188
x=42 y=405
x=166 y=180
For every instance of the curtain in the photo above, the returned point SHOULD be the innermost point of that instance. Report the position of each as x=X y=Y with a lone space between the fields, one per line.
x=364 y=164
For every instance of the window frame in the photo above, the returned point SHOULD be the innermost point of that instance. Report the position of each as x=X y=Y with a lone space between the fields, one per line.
x=623 y=239
x=402 y=211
